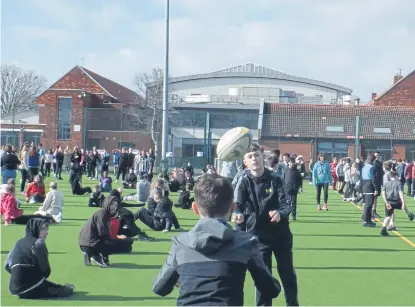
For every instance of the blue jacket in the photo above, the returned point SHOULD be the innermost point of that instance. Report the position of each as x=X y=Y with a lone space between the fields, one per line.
x=322 y=173
x=33 y=160
x=369 y=180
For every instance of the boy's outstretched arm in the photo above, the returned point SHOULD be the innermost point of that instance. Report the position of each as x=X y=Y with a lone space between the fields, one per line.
x=167 y=278
x=264 y=281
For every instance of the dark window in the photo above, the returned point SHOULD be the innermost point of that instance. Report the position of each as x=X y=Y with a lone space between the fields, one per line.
x=64 y=118
x=332 y=149
x=10 y=137
x=32 y=137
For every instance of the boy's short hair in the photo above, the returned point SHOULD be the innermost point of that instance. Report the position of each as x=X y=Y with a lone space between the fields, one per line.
x=158 y=193
x=214 y=195
x=387 y=165
x=254 y=147
x=370 y=158
x=286 y=155
x=97 y=187
x=11 y=181
x=10 y=188
x=53 y=185
x=292 y=160
x=276 y=153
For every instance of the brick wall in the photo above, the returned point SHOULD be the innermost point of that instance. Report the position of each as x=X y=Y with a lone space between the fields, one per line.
x=402 y=94
x=399 y=152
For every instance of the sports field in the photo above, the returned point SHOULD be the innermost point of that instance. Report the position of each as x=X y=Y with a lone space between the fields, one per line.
x=338 y=262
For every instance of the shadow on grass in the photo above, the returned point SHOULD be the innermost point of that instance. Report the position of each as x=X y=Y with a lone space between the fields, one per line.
x=134 y=266
x=352 y=249
x=342 y=235
x=148 y=253
x=329 y=221
x=357 y=268
x=53 y=253
x=83 y=296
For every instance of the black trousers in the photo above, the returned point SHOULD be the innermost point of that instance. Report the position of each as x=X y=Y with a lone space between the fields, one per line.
x=121 y=171
x=369 y=200
x=149 y=219
x=25 y=176
x=283 y=254
x=23 y=219
x=46 y=289
x=108 y=247
x=292 y=198
x=325 y=187
x=47 y=169
x=33 y=171
x=127 y=225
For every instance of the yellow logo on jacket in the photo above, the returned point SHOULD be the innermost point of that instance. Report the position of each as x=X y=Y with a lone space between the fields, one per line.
x=268 y=190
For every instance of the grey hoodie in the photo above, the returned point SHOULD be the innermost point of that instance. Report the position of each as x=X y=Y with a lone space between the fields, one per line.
x=210 y=262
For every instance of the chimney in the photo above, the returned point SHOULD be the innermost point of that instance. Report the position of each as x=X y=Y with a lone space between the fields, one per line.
x=397 y=77
x=374 y=95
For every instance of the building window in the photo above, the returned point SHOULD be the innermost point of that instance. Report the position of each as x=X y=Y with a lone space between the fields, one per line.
x=10 y=137
x=64 y=118
x=334 y=128
x=31 y=137
x=381 y=130
x=332 y=149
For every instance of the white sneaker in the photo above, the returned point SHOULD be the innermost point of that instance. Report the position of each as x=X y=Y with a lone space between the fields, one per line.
x=165 y=230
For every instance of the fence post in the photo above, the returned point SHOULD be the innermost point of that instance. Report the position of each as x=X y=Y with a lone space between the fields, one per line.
x=357 y=138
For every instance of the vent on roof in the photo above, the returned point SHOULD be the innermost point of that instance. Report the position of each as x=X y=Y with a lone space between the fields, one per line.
x=337 y=128
x=383 y=130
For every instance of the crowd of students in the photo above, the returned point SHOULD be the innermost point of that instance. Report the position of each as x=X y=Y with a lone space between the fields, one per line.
x=257 y=194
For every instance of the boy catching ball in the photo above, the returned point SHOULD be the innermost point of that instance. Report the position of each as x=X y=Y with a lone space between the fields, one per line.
x=210 y=261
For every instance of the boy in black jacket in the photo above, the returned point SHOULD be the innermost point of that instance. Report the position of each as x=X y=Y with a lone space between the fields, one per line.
x=130 y=181
x=292 y=180
x=262 y=203
x=162 y=218
x=209 y=262
x=97 y=197
x=29 y=267
x=185 y=202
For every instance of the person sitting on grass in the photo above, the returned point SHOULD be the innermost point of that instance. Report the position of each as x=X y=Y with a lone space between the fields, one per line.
x=35 y=192
x=210 y=261
x=143 y=191
x=97 y=197
x=95 y=234
x=53 y=204
x=77 y=188
x=162 y=218
x=393 y=197
x=185 y=202
x=130 y=180
x=105 y=182
x=125 y=221
x=3 y=188
x=28 y=265
x=12 y=214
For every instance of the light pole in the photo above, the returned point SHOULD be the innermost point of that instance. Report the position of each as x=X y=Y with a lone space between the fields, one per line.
x=165 y=139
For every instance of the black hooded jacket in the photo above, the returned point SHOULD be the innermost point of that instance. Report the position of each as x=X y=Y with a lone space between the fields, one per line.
x=28 y=261
x=97 y=228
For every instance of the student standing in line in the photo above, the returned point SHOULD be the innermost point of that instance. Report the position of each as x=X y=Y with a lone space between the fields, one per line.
x=321 y=180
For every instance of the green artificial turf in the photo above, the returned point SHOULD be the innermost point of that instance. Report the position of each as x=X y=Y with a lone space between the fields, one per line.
x=337 y=261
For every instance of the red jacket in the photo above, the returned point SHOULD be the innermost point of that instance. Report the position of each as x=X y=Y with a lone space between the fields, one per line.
x=9 y=207
x=413 y=171
x=34 y=189
x=409 y=171
x=333 y=169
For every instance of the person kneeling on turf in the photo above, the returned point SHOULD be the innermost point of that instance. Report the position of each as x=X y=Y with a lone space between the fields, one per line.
x=29 y=267
x=185 y=202
x=96 y=232
x=130 y=181
x=162 y=218
x=210 y=261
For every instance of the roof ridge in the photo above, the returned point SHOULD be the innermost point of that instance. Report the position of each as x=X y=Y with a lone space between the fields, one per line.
x=87 y=72
x=395 y=84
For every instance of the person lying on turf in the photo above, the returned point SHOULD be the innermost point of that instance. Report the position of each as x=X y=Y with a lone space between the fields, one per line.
x=53 y=204
x=130 y=180
x=28 y=265
x=94 y=235
x=97 y=197
x=210 y=261
x=76 y=186
x=162 y=218
x=12 y=214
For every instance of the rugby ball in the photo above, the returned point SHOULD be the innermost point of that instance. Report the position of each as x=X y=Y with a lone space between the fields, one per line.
x=233 y=144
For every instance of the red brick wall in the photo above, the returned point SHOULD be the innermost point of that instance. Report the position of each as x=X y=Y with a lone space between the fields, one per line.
x=403 y=94
x=291 y=147
x=77 y=79
x=399 y=152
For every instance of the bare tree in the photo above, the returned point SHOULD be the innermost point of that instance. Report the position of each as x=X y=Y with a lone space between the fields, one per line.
x=19 y=89
x=150 y=87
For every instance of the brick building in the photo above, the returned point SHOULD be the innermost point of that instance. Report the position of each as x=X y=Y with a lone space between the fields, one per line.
x=79 y=102
x=386 y=124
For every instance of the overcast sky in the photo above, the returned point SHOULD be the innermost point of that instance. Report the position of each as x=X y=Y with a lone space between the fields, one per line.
x=359 y=44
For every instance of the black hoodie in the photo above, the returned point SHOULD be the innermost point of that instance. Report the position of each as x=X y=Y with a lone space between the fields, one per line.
x=28 y=261
x=292 y=180
x=97 y=228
